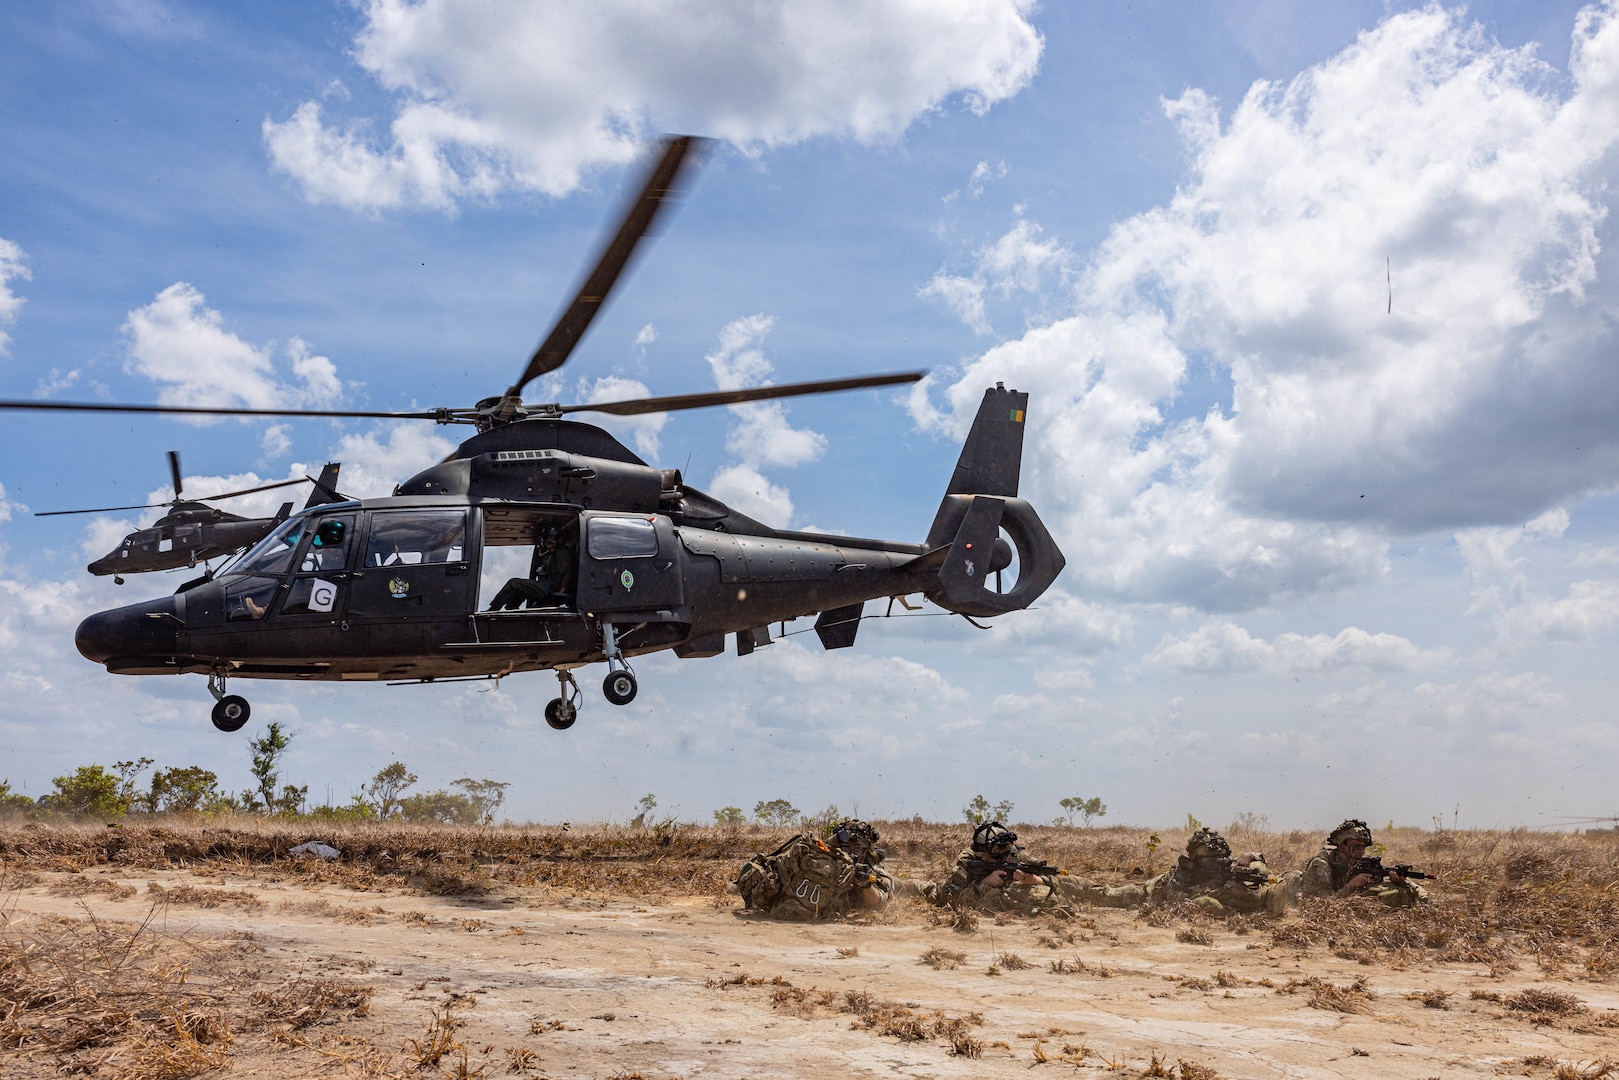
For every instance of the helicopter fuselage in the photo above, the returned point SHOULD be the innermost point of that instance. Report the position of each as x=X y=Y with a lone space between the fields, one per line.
x=613 y=559
x=188 y=534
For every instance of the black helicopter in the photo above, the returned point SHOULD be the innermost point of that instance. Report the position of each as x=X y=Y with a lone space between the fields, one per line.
x=192 y=531
x=624 y=559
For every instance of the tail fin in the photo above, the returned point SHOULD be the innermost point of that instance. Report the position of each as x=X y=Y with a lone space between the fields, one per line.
x=991 y=459
x=964 y=545
x=326 y=487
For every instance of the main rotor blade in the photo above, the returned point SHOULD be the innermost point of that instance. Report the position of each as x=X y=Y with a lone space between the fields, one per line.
x=660 y=188
x=738 y=397
x=174 y=471
x=251 y=490
x=210 y=410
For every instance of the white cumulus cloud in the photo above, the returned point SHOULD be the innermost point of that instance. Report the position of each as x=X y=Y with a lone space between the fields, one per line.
x=1484 y=398
x=530 y=97
x=178 y=341
x=761 y=434
x=645 y=429
x=13 y=266
x=1224 y=647
x=1019 y=262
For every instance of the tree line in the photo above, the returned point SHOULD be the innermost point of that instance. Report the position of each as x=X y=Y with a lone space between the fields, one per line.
x=102 y=793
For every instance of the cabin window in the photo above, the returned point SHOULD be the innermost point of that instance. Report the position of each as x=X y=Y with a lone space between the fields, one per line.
x=622 y=538
x=411 y=537
x=165 y=544
x=249 y=599
x=273 y=554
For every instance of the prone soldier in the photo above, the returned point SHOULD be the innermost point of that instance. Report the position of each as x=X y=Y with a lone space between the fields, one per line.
x=1342 y=868
x=1208 y=876
x=807 y=879
x=990 y=875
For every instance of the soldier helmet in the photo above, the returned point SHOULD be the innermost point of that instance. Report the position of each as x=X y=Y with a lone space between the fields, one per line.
x=993 y=838
x=1351 y=829
x=1208 y=843
x=853 y=833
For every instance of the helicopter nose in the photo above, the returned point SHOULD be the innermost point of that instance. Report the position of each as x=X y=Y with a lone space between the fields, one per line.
x=148 y=629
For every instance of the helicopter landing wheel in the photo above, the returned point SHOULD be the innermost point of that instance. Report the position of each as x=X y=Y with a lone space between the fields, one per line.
x=231 y=712
x=561 y=714
x=562 y=711
x=116 y=580
x=619 y=687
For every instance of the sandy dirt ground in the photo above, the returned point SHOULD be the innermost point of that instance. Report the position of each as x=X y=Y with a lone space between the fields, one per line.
x=535 y=982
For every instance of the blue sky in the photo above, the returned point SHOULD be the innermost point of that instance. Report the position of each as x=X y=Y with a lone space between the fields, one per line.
x=1328 y=554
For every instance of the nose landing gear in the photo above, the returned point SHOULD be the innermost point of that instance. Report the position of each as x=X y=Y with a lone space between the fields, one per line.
x=231 y=711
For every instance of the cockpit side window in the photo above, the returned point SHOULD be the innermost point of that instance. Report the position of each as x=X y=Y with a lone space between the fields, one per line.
x=621 y=538
x=412 y=537
x=328 y=547
x=273 y=554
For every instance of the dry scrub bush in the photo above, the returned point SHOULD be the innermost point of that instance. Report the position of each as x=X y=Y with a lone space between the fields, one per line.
x=1354 y=998
x=942 y=959
x=300 y=1003
x=79 y=886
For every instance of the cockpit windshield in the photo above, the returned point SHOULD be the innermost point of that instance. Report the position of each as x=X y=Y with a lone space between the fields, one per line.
x=273 y=554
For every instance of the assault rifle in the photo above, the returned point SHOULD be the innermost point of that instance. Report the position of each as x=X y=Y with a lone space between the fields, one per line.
x=1248 y=875
x=1373 y=865
x=979 y=869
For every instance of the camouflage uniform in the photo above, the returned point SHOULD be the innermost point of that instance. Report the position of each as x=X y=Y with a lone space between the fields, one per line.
x=1119 y=896
x=807 y=879
x=1329 y=872
x=968 y=886
x=1205 y=876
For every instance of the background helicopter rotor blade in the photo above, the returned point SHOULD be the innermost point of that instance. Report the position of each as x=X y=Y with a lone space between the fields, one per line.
x=174 y=471
x=208 y=410
x=737 y=397
x=660 y=188
x=154 y=506
x=98 y=510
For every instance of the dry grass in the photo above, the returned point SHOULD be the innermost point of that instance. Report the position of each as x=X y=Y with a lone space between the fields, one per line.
x=903 y=1022
x=942 y=959
x=78 y=886
x=1354 y=998
x=197 y=896
x=86 y=992
x=300 y=1003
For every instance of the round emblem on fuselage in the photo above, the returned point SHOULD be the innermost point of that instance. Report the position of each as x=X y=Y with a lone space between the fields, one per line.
x=627 y=580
